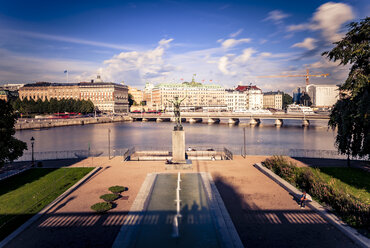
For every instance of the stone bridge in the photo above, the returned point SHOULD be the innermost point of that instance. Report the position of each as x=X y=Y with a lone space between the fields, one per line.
x=231 y=118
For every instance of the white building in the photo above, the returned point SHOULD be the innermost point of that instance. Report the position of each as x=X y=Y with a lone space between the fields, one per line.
x=323 y=95
x=235 y=100
x=197 y=96
x=254 y=96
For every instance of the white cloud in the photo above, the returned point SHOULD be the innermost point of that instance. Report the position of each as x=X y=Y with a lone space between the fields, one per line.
x=233 y=35
x=328 y=19
x=246 y=55
x=308 y=43
x=276 y=16
x=229 y=43
x=134 y=67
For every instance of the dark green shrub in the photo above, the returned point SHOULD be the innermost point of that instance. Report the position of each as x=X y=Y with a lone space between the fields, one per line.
x=109 y=197
x=101 y=207
x=349 y=208
x=117 y=189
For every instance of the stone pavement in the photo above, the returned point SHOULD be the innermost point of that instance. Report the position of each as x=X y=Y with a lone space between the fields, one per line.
x=264 y=214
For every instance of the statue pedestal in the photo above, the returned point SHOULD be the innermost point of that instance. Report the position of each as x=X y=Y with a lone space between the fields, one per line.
x=178 y=146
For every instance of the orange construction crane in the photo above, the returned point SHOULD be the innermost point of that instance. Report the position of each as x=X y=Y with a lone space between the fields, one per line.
x=307 y=76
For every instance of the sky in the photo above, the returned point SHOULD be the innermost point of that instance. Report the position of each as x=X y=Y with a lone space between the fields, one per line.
x=223 y=42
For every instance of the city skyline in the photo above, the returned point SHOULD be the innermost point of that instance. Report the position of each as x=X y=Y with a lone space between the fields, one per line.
x=229 y=43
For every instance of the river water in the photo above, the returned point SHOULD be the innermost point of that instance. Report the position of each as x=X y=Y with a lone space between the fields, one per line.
x=263 y=139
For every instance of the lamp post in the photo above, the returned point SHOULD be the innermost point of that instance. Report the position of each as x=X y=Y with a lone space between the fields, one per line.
x=32 y=143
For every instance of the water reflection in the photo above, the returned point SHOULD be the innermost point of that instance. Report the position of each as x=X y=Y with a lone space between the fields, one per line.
x=290 y=136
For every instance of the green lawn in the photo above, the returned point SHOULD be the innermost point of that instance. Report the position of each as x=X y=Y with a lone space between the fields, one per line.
x=24 y=195
x=354 y=181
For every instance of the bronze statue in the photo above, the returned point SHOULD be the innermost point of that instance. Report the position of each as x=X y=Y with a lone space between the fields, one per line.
x=176 y=110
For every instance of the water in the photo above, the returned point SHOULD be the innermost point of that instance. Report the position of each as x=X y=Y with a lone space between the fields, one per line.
x=158 y=135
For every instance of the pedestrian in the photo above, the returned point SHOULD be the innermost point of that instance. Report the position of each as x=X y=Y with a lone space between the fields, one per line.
x=303 y=199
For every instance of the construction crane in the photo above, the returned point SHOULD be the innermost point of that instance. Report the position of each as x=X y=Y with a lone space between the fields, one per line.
x=307 y=76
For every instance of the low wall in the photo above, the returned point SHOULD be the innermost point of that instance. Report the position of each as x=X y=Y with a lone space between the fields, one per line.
x=37 y=124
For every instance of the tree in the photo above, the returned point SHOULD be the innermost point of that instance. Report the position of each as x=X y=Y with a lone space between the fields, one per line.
x=351 y=113
x=130 y=100
x=287 y=99
x=10 y=147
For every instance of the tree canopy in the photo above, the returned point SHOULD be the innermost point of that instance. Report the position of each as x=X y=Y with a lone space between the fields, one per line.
x=287 y=99
x=10 y=147
x=53 y=106
x=351 y=113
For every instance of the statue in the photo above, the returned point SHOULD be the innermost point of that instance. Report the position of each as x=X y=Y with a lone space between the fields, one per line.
x=176 y=110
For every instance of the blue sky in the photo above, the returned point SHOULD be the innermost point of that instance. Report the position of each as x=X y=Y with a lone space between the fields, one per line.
x=228 y=42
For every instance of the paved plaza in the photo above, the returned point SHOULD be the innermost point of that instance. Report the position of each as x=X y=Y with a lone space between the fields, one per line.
x=264 y=214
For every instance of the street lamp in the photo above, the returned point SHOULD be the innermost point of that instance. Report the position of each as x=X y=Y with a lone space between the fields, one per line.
x=33 y=158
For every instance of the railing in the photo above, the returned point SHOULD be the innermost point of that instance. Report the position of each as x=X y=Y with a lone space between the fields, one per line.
x=52 y=155
x=128 y=153
x=205 y=149
x=228 y=154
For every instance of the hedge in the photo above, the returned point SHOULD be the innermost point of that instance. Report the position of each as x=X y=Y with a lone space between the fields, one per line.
x=109 y=197
x=117 y=189
x=101 y=207
x=348 y=207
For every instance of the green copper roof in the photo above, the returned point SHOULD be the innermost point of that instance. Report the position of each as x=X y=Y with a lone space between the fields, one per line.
x=188 y=85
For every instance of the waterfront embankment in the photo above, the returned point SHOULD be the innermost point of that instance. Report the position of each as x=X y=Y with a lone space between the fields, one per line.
x=49 y=123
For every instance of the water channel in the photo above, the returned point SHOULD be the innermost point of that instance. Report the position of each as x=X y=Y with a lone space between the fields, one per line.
x=261 y=139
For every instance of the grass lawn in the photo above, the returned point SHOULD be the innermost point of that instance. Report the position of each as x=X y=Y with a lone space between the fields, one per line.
x=353 y=181
x=24 y=195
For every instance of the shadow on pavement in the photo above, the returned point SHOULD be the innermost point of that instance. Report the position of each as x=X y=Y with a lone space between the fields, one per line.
x=278 y=227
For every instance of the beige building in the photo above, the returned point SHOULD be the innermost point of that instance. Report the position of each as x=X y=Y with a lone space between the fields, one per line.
x=106 y=97
x=137 y=95
x=273 y=100
x=197 y=96
x=45 y=90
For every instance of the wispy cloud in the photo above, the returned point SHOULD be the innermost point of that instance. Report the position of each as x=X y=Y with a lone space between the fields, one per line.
x=328 y=19
x=229 y=43
x=276 y=16
x=233 y=35
x=308 y=43
x=68 y=39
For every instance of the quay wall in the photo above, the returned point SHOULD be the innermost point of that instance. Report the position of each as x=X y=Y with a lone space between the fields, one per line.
x=38 y=124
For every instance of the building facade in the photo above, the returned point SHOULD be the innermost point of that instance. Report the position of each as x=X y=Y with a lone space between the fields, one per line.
x=254 y=96
x=323 y=95
x=236 y=101
x=137 y=95
x=273 y=100
x=196 y=96
x=106 y=97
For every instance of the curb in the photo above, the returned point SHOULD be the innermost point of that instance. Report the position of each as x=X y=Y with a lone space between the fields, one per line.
x=28 y=223
x=350 y=232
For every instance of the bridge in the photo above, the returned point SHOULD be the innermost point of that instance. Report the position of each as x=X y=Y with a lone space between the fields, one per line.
x=231 y=118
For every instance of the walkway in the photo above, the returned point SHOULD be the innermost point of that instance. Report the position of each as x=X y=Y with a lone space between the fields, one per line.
x=264 y=214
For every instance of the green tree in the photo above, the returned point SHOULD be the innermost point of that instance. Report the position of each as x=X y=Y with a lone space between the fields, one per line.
x=10 y=147
x=130 y=100
x=287 y=99
x=351 y=113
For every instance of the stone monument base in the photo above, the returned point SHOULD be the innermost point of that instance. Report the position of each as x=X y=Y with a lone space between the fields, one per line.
x=178 y=147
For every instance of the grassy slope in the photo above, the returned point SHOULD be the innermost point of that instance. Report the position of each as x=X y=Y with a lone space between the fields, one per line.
x=353 y=181
x=24 y=195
